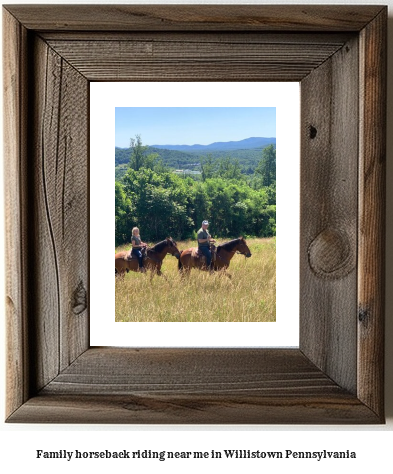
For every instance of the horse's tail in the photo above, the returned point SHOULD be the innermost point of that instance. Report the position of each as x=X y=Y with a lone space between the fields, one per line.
x=179 y=264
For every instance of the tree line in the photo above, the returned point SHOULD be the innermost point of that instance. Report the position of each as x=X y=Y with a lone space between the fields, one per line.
x=247 y=158
x=161 y=203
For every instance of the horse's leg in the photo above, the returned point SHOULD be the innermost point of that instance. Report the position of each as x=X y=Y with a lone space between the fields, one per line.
x=186 y=263
x=153 y=271
x=183 y=272
x=224 y=270
x=159 y=273
x=180 y=265
x=119 y=269
x=120 y=274
x=187 y=268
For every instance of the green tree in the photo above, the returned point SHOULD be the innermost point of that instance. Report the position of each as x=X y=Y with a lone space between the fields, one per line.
x=123 y=215
x=208 y=168
x=201 y=203
x=239 y=219
x=160 y=202
x=139 y=157
x=221 y=205
x=267 y=166
x=229 y=168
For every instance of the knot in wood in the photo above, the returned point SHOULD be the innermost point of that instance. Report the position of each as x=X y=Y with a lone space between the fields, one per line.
x=330 y=254
x=80 y=299
x=313 y=132
x=363 y=315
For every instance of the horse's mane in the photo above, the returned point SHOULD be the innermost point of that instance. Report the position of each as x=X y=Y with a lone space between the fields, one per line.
x=228 y=246
x=159 y=247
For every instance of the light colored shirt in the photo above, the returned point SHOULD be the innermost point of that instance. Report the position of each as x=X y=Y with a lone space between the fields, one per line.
x=137 y=241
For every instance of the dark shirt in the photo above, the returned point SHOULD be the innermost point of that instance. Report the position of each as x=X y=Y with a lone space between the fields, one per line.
x=203 y=234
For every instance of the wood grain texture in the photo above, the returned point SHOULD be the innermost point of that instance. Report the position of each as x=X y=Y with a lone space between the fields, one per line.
x=195 y=17
x=372 y=189
x=329 y=168
x=58 y=180
x=186 y=59
x=201 y=37
x=195 y=386
x=239 y=409
x=14 y=73
x=335 y=376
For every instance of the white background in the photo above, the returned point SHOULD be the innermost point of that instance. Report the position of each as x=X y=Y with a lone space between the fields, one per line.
x=372 y=443
x=104 y=97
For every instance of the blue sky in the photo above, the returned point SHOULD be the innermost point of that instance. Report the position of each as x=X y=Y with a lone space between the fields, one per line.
x=192 y=125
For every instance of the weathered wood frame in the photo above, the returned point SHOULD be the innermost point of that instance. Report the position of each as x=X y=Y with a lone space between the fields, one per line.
x=338 y=54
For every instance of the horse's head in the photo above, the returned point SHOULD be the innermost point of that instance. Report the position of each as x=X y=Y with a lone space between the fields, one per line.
x=172 y=247
x=243 y=247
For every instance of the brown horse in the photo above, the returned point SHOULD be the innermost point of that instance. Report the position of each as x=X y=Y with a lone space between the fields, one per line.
x=190 y=258
x=152 y=260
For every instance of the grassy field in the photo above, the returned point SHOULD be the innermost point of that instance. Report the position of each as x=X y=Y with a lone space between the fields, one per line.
x=250 y=295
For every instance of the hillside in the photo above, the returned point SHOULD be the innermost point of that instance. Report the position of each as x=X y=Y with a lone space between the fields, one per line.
x=248 y=152
x=171 y=158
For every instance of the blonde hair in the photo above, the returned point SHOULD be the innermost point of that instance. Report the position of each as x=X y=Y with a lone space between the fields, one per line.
x=134 y=229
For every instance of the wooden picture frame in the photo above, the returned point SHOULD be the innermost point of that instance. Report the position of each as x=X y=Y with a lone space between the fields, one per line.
x=338 y=54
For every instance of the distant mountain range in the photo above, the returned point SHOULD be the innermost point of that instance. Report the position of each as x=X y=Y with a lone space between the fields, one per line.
x=247 y=152
x=248 y=143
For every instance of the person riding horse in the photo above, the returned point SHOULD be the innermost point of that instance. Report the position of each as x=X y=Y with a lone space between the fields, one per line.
x=138 y=247
x=204 y=240
x=154 y=257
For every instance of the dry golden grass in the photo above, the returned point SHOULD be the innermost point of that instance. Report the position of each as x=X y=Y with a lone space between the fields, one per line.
x=250 y=295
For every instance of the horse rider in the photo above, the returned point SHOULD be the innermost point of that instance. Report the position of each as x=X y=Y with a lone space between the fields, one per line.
x=137 y=247
x=204 y=240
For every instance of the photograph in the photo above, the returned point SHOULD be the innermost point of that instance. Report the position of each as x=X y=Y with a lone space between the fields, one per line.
x=197 y=184
x=68 y=71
